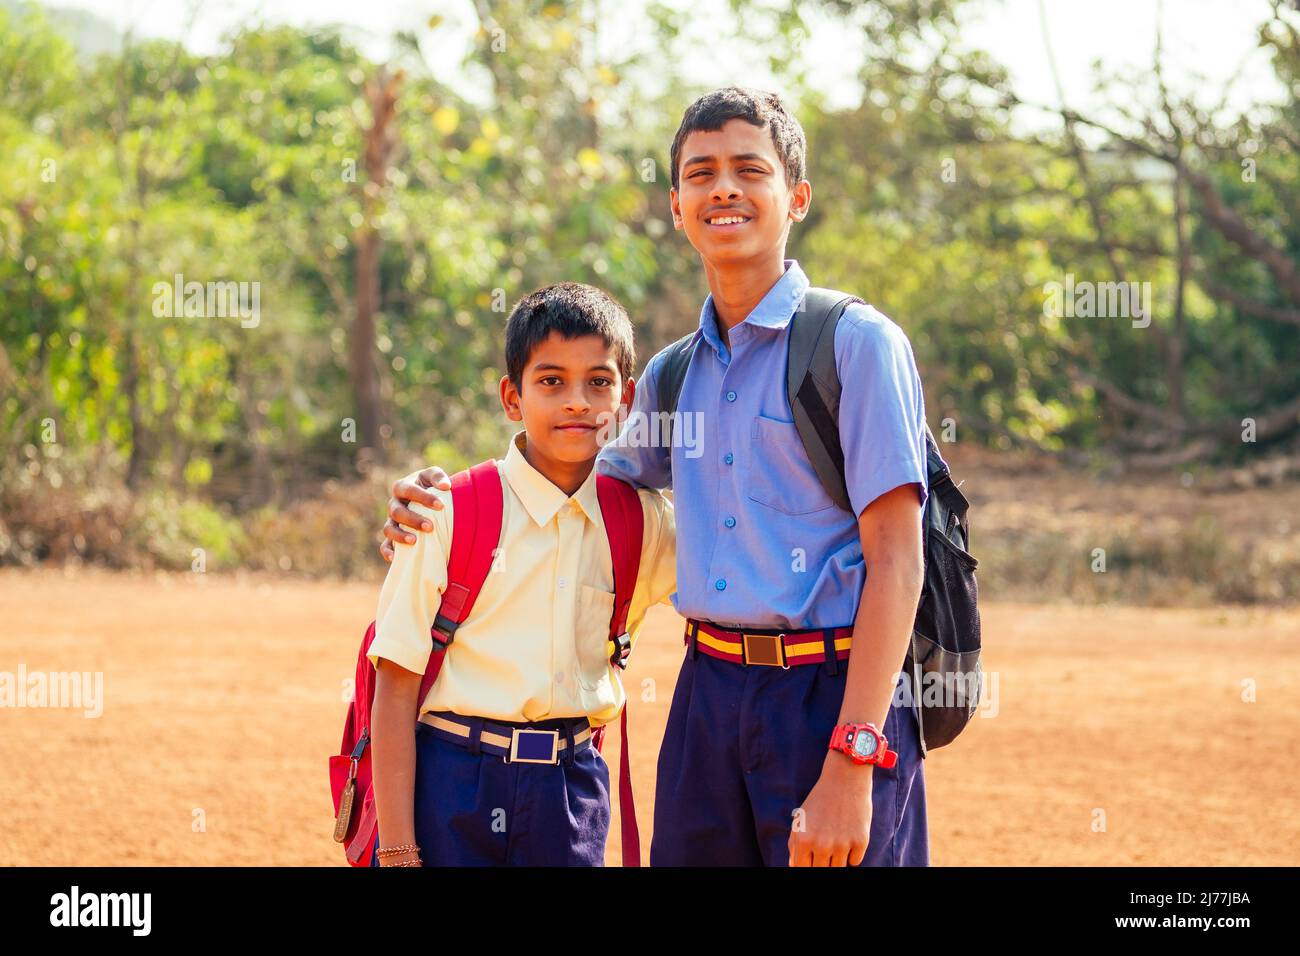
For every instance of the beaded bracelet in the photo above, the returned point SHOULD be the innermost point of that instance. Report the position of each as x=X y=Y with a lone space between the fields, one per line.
x=397 y=850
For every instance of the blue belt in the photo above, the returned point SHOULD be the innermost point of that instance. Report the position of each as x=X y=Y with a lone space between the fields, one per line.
x=538 y=742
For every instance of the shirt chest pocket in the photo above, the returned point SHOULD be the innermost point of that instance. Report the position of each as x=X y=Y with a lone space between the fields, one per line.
x=780 y=475
x=595 y=608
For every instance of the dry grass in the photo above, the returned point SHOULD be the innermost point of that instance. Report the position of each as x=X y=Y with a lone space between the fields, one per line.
x=1168 y=540
x=1037 y=528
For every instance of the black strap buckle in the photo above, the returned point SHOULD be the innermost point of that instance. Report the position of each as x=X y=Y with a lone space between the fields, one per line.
x=622 y=650
x=443 y=632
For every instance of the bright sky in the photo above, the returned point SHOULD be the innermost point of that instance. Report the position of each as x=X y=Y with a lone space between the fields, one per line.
x=1206 y=41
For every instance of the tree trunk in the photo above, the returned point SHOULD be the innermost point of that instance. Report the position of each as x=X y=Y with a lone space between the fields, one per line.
x=380 y=139
x=365 y=376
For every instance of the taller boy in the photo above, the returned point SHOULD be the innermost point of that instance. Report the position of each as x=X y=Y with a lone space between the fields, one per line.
x=798 y=612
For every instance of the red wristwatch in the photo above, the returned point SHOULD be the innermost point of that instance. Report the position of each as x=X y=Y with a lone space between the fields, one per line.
x=863 y=743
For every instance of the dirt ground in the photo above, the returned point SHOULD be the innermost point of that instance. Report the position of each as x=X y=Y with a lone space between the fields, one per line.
x=1122 y=736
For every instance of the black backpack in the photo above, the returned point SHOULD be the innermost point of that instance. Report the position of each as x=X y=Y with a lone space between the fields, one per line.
x=944 y=656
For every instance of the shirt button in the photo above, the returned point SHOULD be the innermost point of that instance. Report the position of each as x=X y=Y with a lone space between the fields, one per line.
x=730 y=522
x=720 y=584
x=563 y=582
x=559 y=677
x=731 y=396
x=728 y=458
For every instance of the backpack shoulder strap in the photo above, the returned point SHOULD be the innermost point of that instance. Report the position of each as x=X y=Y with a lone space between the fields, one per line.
x=620 y=509
x=812 y=384
x=477 y=500
x=941 y=483
x=669 y=377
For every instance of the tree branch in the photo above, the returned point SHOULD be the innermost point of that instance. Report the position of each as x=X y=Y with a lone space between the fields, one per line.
x=1249 y=307
x=1236 y=230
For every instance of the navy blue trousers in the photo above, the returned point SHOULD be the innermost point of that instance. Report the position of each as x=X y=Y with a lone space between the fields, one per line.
x=476 y=810
x=744 y=747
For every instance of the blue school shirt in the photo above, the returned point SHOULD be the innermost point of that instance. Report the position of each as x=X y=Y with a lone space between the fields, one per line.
x=759 y=542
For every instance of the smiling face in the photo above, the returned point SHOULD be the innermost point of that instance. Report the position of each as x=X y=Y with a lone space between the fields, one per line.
x=568 y=389
x=733 y=202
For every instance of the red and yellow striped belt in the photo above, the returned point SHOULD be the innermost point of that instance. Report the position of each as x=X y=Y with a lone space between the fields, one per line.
x=769 y=647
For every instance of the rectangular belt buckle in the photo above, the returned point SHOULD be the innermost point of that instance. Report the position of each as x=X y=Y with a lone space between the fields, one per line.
x=765 y=649
x=534 y=746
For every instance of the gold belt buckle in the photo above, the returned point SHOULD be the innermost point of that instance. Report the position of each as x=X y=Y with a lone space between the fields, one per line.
x=767 y=650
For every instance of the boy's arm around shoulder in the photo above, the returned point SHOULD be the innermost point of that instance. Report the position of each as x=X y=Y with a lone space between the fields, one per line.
x=632 y=456
x=656 y=579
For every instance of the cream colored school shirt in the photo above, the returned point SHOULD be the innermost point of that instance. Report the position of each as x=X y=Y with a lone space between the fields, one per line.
x=535 y=644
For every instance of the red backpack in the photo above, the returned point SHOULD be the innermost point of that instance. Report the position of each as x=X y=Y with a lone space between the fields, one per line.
x=477 y=501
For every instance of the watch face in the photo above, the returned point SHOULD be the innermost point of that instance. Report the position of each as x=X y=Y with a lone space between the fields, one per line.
x=865 y=743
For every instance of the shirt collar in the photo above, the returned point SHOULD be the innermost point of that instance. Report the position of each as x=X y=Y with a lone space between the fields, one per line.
x=774 y=310
x=541 y=498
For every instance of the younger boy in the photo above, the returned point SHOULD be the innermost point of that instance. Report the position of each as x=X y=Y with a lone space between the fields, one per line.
x=533 y=652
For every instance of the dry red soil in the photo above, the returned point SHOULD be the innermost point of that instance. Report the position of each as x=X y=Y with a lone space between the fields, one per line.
x=1122 y=736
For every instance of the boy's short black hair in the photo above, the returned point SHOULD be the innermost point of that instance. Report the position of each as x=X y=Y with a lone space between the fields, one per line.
x=572 y=309
x=711 y=112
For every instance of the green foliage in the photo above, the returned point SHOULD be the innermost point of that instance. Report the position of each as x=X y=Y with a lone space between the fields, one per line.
x=174 y=530
x=128 y=169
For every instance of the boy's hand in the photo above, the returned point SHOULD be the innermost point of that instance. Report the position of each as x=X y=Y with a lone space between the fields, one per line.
x=836 y=817
x=413 y=487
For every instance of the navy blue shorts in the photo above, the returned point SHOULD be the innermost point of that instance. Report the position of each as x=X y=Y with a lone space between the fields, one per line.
x=744 y=747
x=477 y=810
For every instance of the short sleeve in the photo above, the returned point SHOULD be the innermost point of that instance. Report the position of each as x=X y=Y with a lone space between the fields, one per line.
x=656 y=580
x=631 y=457
x=882 y=407
x=412 y=593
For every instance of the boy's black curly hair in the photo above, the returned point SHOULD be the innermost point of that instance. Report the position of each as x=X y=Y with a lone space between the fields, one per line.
x=712 y=111
x=572 y=309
